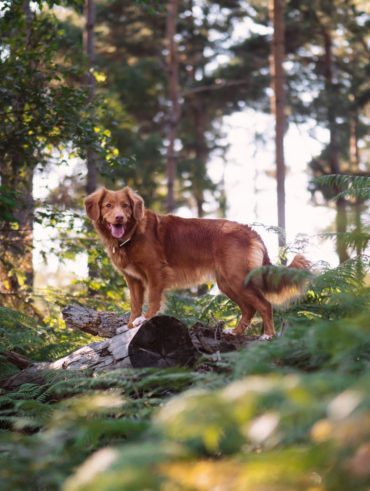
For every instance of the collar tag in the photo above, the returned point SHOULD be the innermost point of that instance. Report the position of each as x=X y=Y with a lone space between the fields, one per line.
x=125 y=242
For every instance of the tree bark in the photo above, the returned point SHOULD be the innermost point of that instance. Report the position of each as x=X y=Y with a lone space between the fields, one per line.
x=91 y=163
x=103 y=324
x=174 y=106
x=278 y=107
x=354 y=151
x=341 y=218
x=16 y=359
x=16 y=239
x=89 y=49
x=201 y=154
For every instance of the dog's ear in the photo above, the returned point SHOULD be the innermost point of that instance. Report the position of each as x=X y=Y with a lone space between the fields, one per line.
x=92 y=204
x=137 y=204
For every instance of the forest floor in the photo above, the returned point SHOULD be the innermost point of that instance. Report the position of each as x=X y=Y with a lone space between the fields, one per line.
x=286 y=414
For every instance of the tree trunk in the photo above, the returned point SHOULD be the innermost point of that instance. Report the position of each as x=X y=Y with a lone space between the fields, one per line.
x=341 y=218
x=201 y=154
x=354 y=160
x=354 y=152
x=89 y=49
x=17 y=242
x=91 y=164
x=174 y=107
x=278 y=107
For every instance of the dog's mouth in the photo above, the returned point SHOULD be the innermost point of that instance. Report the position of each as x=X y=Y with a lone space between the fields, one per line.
x=117 y=230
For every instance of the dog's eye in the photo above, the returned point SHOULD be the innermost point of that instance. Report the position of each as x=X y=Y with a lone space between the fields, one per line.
x=108 y=205
x=125 y=205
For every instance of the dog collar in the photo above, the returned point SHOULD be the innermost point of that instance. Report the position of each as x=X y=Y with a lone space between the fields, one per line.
x=121 y=245
x=124 y=242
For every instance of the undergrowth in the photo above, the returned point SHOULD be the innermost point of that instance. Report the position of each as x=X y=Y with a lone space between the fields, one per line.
x=292 y=413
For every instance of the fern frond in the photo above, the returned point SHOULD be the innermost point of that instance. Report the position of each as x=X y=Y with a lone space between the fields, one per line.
x=346 y=185
x=28 y=391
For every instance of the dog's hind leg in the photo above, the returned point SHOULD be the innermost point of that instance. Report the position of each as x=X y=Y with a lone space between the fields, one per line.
x=250 y=299
x=254 y=297
x=247 y=310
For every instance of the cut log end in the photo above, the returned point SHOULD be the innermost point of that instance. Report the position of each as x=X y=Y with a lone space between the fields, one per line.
x=162 y=342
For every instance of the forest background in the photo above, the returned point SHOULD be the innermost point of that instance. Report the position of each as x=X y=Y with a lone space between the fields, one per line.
x=141 y=93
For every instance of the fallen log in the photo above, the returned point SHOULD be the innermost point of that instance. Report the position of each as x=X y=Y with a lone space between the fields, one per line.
x=206 y=339
x=16 y=359
x=103 y=324
x=160 y=342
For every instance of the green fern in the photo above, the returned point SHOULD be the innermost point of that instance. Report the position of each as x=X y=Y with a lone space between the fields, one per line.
x=150 y=420
x=346 y=185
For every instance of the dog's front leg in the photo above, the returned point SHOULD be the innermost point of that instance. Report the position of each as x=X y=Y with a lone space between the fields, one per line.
x=155 y=292
x=136 y=288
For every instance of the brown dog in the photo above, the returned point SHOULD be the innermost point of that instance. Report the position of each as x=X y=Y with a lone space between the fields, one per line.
x=161 y=252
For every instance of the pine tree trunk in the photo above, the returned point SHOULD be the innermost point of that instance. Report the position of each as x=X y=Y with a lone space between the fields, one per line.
x=174 y=107
x=278 y=107
x=354 y=151
x=89 y=50
x=354 y=159
x=201 y=155
x=16 y=249
x=341 y=218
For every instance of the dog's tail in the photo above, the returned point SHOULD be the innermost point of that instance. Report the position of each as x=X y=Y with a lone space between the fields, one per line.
x=284 y=284
x=281 y=285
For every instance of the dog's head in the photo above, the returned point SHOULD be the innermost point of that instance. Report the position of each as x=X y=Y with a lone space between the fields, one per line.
x=116 y=210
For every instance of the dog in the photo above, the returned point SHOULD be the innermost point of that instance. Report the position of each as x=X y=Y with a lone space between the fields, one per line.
x=158 y=252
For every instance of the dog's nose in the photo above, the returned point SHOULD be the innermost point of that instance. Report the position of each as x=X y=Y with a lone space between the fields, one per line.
x=119 y=218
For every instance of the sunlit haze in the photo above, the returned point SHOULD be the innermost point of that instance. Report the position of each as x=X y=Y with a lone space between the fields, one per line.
x=248 y=174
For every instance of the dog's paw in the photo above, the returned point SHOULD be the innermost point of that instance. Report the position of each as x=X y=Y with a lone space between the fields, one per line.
x=229 y=330
x=266 y=337
x=139 y=321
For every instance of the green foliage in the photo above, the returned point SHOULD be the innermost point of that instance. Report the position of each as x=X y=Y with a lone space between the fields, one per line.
x=288 y=414
x=77 y=414
x=355 y=186
x=43 y=107
x=33 y=339
x=8 y=202
x=207 y=308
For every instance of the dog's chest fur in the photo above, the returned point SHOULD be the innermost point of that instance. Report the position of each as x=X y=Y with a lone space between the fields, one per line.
x=123 y=263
